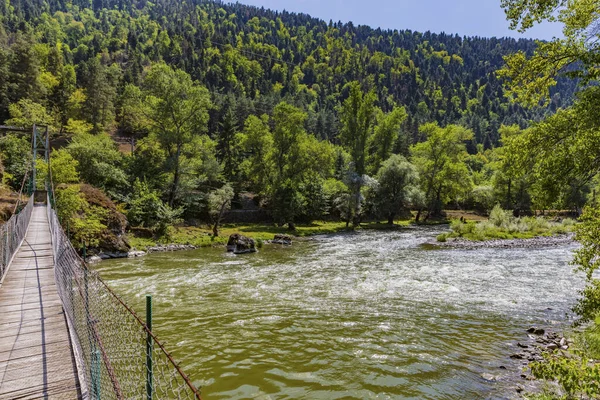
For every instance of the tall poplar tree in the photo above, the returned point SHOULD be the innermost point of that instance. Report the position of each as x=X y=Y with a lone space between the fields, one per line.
x=357 y=115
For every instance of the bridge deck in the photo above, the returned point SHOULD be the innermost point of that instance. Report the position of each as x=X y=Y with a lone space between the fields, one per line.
x=36 y=360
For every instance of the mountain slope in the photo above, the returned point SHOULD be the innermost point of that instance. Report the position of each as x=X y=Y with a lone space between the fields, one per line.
x=252 y=58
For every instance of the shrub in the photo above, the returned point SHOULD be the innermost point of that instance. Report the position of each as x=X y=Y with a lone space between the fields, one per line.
x=503 y=225
x=500 y=217
x=148 y=210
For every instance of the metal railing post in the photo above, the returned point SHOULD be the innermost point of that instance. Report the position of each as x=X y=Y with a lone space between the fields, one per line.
x=7 y=254
x=33 y=171
x=149 y=346
x=96 y=374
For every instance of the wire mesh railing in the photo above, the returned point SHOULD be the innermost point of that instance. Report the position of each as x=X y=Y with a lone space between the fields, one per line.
x=118 y=354
x=12 y=233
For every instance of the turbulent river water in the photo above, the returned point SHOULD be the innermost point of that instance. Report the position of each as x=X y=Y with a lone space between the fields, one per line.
x=363 y=315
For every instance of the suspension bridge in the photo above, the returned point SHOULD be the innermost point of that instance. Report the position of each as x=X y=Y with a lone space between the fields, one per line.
x=64 y=334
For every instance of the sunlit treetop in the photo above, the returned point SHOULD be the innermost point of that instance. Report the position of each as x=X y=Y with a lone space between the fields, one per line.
x=576 y=55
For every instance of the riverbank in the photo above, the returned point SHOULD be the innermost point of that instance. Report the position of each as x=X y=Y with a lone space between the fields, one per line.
x=503 y=225
x=198 y=237
x=538 y=241
x=532 y=348
x=202 y=236
x=190 y=237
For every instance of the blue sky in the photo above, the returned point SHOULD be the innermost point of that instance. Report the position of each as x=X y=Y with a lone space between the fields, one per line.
x=465 y=17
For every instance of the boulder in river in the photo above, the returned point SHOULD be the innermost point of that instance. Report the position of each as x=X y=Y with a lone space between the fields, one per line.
x=536 y=331
x=282 y=239
x=489 y=377
x=239 y=244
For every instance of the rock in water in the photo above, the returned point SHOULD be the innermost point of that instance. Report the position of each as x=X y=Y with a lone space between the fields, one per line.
x=282 y=239
x=93 y=259
x=239 y=244
x=536 y=331
x=488 y=377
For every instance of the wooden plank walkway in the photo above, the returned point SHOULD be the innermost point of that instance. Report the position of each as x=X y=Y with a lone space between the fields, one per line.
x=36 y=359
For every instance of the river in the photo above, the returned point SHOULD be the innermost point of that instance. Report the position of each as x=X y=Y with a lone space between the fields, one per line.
x=368 y=315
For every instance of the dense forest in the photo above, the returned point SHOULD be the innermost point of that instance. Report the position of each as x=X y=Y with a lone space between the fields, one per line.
x=257 y=56
x=308 y=118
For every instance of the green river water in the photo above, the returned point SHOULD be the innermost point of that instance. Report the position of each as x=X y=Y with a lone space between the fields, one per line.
x=369 y=315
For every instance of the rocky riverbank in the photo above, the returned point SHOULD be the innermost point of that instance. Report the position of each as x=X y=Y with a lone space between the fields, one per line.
x=540 y=241
x=138 y=253
x=532 y=348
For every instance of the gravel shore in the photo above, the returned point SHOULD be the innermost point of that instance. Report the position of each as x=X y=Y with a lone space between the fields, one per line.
x=541 y=241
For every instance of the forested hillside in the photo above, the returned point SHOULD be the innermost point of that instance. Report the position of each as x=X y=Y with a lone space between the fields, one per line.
x=51 y=48
x=230 y=103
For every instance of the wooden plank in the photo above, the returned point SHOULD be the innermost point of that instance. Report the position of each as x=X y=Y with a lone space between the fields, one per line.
x=26 y=315
x=25 y=389
x=33 y=326
x=28 y=303
x=26 y=352
x=36 y=359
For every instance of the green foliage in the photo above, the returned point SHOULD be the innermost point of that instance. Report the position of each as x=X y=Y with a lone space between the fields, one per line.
x=219 y=201
x=511 y=180
x=175 y=109
x=83 y=221
x=588 y=305
x=587 y=261
x=100 y=83
x=503 y=225
x=227 y=151
x=483 y=198
x=77 y=59
x=16 y=159
x=560 y=151
x=147 y=163
x=322 y=106
x=99 y=162
x=69 y=201
x=286 y=165
x=440 y=161
x=256 y=142
x=146 y=209
x=385 y=137
x=357 y=117
x=574 y=55
x=63 y=167
x=77 y=127
x=588 y=234
x=500 y=218
x=26 y=112
x=337 y=199
x=397 y=182
x=87 y=228
x=577 y=376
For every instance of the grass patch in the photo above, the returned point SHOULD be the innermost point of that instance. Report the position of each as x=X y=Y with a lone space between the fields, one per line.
x=502 y=225
x=202 y=236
